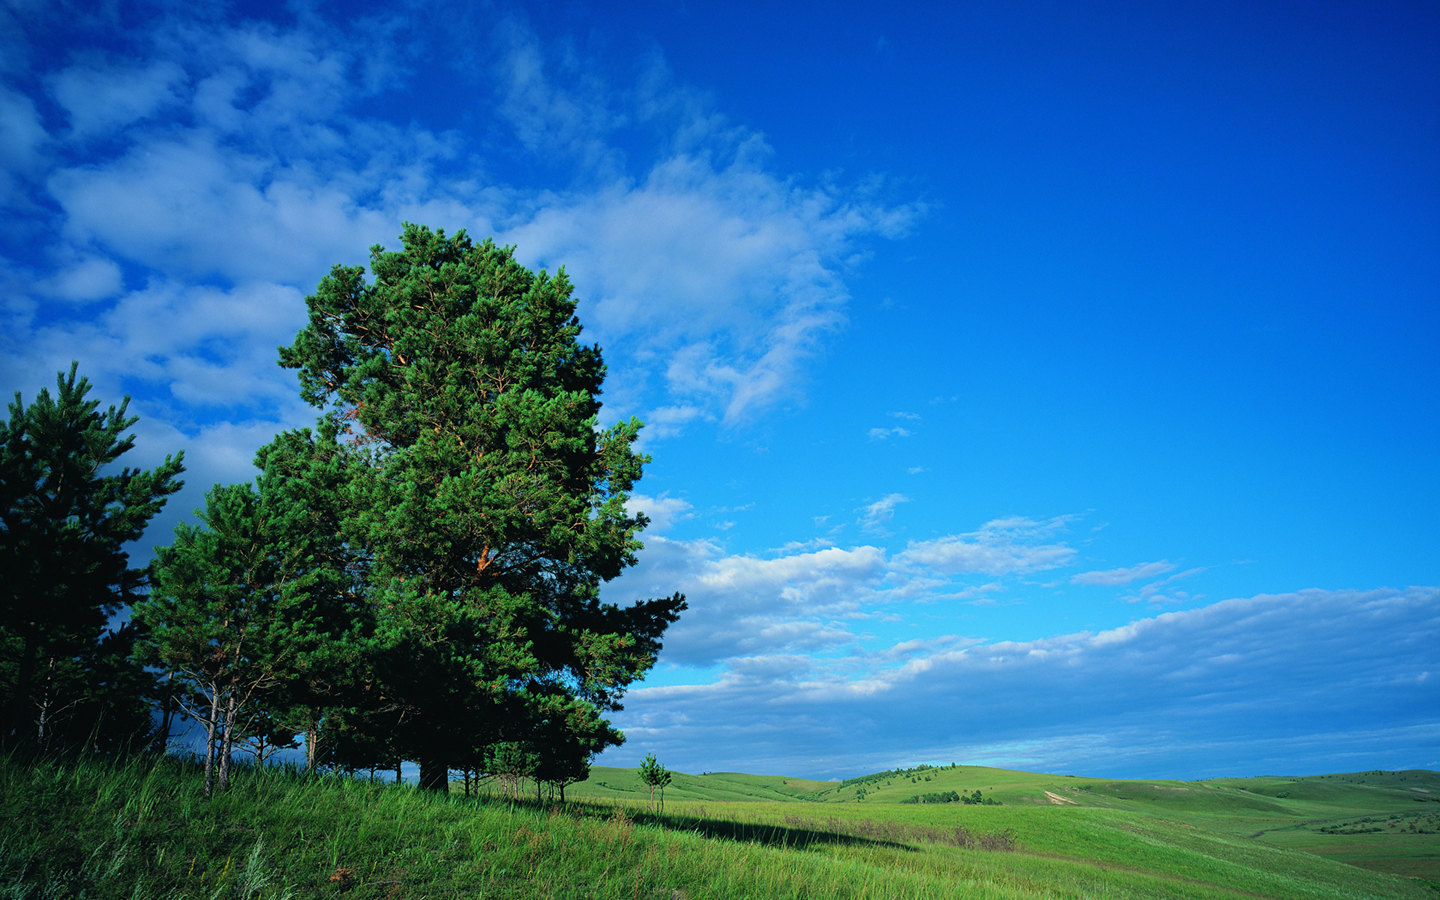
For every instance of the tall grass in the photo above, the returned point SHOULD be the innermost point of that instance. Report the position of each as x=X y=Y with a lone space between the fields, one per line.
x=142 y=828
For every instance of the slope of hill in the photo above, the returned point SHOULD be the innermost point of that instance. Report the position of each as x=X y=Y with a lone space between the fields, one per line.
x=607 y=782
x=1385 y=821
x=142 y=828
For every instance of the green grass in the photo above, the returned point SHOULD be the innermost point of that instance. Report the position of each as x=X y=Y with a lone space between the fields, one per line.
x=143 y=829
x=1385 y=821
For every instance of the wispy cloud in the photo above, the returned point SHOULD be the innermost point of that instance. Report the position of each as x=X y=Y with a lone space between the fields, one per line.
x=875 y=516
x=882 y=434
x=1158 y=593
x=1000 y=547
x=1114 y=577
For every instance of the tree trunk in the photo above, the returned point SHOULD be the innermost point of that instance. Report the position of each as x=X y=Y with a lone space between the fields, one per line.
x=227 y=742
x=434 y=775
x=210 y=722
x=45 y=701
x=312 y=745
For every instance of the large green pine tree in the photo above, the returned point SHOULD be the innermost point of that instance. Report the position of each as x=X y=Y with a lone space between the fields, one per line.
x=488 y=504
x=68 y=510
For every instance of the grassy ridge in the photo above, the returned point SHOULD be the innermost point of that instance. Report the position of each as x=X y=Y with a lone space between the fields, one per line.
x=142 y=829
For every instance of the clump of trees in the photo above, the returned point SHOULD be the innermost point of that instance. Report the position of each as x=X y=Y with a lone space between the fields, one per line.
x=973 y=798
x=418 y=576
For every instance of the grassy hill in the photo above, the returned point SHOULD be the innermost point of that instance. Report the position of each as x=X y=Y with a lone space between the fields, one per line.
x=1385 y=821
x=143 y=829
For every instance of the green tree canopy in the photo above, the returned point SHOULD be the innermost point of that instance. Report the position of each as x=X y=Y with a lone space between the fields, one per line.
x=486 y=501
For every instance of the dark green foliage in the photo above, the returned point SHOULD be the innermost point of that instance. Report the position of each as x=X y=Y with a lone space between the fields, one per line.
x=217 y=614
x=66 y=515
x=257 y=612
x=913 y=774
x=971 y=799
x=330 y=629
x=485 y=502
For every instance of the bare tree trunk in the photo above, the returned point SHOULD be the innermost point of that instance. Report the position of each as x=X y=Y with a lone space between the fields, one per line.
x=227 y=743
x=43 y=718
x=312 y=746
x=210 y=722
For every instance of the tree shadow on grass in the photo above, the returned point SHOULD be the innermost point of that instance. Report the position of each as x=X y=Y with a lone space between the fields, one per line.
x=797 y=833
x=794 y=834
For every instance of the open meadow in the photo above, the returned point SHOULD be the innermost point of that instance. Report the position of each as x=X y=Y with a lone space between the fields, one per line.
x=144 y=829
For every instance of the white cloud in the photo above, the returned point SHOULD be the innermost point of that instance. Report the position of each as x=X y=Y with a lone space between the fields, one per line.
x=663 y=512
x=876 y=515
x=197 y=207
x=85 y=280
x=100 y=99
x=1115 y=577
x=729 y=274
x=711 y=278
x=1291 y=678
x=747 y=606
x=1000 y=547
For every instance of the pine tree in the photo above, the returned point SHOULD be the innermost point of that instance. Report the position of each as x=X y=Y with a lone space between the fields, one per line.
x=67 y=514
x=487 y=502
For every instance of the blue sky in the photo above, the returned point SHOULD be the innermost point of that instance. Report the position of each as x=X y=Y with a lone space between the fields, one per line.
x=1042 y=385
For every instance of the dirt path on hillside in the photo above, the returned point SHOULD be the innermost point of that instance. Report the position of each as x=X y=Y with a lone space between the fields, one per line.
x=1059 y=800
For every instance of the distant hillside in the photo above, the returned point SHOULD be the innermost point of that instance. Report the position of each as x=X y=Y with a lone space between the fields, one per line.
x=1385 y=821
x=607 y=782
